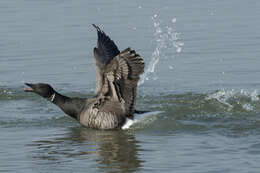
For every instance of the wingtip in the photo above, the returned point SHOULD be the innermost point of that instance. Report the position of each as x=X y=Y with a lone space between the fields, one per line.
x=97 y=28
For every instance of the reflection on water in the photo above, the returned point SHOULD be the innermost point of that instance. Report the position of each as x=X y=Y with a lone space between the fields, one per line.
x=113 y=151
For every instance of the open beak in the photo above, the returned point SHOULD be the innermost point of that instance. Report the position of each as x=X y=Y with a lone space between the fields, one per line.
x=29 y=89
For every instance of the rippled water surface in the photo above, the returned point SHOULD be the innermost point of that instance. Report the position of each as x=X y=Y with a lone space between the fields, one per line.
x=201 y=81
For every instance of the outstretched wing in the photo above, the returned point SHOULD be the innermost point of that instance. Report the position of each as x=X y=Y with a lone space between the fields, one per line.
x=105 y=51
x=121 y=76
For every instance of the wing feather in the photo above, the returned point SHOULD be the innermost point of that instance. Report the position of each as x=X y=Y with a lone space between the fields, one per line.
x=117 y=74
x=105 y=51
x=126 y=69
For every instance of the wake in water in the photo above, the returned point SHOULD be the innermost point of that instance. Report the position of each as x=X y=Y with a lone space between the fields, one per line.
x=166 y=38
x=222 y=108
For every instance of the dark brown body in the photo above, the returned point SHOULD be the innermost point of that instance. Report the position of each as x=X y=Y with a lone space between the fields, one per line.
x=106 y=115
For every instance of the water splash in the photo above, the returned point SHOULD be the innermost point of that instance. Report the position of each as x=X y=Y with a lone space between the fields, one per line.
x=232 y=97
x=145 y=118
x=166 y=39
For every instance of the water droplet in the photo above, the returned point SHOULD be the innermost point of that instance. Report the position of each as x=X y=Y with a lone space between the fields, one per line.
x=178 y=50
x=181 y=44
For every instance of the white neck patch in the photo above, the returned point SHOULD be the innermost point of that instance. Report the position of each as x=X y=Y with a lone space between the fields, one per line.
x=53 y=97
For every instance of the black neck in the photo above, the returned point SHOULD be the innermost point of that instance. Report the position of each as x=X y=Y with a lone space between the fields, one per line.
x=70 y=106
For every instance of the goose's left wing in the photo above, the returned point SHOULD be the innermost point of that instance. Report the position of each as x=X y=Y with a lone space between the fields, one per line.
x=105 y=51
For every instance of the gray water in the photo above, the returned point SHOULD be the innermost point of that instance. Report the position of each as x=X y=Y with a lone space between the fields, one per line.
x=202 y=72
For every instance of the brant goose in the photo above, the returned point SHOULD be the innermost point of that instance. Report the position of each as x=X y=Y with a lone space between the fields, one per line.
x=117 y=75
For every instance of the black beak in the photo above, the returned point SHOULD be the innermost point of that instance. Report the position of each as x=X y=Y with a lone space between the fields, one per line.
x=29 y=89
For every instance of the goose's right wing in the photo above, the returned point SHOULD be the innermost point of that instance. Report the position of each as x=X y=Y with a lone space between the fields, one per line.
x=121 y=76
